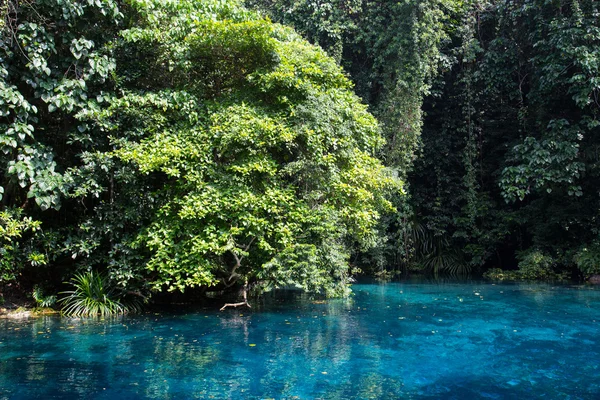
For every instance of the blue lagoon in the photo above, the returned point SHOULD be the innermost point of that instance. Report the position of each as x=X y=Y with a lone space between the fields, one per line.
x=396 y=340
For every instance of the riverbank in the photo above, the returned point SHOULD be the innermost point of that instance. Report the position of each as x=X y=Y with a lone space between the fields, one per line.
x=16 y=306
x=25 y=312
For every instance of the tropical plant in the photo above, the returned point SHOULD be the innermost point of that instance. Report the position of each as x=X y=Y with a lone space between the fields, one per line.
x=14 y=255
x=261 y=159
x=534 y=264
x=41 y=299
x=587 y=259
x=92 y=295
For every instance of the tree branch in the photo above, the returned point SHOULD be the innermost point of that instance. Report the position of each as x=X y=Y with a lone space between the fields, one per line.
x=238 y=261
x=242 y=303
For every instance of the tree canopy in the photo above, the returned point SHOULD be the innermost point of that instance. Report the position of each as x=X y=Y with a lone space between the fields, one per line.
x=170 y=145
x=184 y=144
x=499 y=100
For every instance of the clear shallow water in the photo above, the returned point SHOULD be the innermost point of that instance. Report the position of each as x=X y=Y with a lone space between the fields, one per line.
x=421 y=341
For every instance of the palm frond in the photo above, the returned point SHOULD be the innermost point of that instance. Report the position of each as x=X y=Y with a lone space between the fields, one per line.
x=93 y=296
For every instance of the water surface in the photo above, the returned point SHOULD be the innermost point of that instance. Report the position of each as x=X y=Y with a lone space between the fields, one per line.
x=400 y=340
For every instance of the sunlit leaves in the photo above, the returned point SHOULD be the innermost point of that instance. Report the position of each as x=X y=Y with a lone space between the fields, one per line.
x=280 y=160
x=14 y=227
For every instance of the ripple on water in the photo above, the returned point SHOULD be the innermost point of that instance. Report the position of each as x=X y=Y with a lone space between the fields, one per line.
x=405 y=340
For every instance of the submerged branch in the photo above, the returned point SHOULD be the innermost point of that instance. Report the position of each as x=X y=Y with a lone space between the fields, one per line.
x=241 y=303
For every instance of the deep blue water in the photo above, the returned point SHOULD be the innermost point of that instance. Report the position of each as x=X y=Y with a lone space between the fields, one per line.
x=400 y=340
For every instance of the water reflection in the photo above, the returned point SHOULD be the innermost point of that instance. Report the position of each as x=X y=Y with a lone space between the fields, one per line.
x=391 y=341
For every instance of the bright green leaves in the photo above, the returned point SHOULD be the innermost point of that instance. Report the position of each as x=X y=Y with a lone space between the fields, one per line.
x=301 y=70
x=35 y=169
x=241 y=129
x=177 y=15
x=304 y=266
x=38 y=44
x=208 y=55
x=81 y=47
x=198 y=232
x=275 y=176
x=14 y=255
x=55 y=69
x=553 y=160
x=222 y=53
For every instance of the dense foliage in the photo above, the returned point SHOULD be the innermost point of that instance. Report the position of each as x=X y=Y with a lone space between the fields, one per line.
x=393 y=52
x=517 y=124
x=172 y=145
x=507 y=100
x=54 y=63
x=177 y=145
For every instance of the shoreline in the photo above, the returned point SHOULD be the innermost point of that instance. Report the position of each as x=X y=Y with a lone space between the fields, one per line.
x=25 y=311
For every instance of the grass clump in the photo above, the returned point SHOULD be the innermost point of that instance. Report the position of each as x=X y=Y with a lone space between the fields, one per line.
x=92 y=295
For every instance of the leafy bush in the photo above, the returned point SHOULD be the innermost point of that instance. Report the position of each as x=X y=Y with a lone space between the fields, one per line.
x=385 y=275
x=13 y=255
x=498 y=274
x=93 y=295
x=533 y=265
x=41 y=299
x=588 y=260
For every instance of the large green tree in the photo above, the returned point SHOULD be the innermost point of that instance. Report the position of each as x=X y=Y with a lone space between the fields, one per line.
x=193 y=144
x=267 y=157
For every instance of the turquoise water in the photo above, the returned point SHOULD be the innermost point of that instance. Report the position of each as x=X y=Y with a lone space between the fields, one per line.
x=421 y=341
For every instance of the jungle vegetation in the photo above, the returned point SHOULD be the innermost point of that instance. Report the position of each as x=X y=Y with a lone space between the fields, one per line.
x=490 y=113
x=197 y=146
